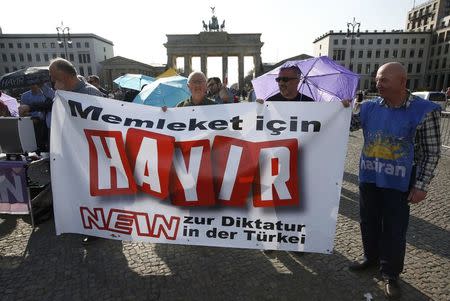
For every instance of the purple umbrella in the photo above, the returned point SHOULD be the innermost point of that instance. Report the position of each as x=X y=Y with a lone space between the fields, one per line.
x=322 y=80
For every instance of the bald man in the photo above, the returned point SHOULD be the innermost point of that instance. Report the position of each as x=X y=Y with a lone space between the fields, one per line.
x=400 y=153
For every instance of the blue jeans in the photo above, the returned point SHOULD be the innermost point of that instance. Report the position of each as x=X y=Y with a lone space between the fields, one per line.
x=384 y=217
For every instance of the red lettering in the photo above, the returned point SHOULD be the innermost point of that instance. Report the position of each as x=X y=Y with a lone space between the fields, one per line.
x=95 y=217
x=130 y=222
x=150 y=156
x=191 y=180
x=191 y=172
x=235 y=163
x=109 y=170
x=276 y=185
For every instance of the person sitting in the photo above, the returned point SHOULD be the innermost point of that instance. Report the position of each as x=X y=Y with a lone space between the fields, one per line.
x=288 y=80
x=36 y=96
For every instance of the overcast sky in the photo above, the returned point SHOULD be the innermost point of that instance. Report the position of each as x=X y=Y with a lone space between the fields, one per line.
x=138 y=28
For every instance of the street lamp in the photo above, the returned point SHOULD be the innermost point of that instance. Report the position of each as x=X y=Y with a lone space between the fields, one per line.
x=352 y=34
x=64 y=30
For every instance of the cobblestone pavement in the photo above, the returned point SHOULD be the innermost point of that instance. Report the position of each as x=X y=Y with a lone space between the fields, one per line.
x=42 y=266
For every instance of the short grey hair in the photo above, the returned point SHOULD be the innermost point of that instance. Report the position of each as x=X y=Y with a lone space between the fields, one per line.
x=63 y=66
x=196 y=73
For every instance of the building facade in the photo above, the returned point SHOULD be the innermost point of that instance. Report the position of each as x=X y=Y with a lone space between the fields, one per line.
x=428 y=15
x=116 y=66
x=85 y=51
x=435 y=16
x=365 y=53
x=423 y=48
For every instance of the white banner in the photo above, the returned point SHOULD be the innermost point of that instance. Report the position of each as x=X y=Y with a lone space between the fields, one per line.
x=235 y=175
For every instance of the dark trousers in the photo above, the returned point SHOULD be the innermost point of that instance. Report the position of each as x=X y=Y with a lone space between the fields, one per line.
x=384 y=217
x=41 y=134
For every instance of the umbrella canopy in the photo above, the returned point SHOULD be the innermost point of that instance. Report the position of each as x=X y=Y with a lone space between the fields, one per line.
x=167 y=73
x=24 y=77
x=11 y=103
x=134 y=81
x=166 y=91
x=322 y=80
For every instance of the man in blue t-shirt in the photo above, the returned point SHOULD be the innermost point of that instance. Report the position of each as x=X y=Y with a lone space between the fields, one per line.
x=37 y=96
x=32 y=96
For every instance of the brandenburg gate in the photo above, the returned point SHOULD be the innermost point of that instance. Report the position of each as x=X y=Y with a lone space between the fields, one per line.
x=214 y=42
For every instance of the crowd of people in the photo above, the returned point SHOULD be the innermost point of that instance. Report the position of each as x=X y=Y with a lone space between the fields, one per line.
x=396 y=115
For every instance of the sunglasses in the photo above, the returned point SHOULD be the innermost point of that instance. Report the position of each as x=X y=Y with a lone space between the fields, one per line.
x=284 y=79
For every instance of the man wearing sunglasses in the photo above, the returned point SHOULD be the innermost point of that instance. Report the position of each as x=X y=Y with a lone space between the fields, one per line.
x=288 y=80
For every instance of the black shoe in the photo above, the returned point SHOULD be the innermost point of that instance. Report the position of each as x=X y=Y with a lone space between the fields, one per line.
x=392 y=289
x=362 y=265
x=88 y=239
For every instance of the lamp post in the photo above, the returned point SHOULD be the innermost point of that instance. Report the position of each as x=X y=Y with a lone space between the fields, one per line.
x=352 y=34
x=64 y=31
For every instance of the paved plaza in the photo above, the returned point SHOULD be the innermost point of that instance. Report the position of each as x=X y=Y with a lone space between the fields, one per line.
x=38 y=265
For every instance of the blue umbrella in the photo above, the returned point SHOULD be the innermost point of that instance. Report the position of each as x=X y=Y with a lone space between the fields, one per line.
x=134 y=81
x=166 y=91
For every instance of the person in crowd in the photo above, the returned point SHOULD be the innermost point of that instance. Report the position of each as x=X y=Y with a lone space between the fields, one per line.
x=197 y=85
x=218 y=92
x=400 y=153
x=8 y=106
x=130 y=94
x=251 y=93
x=118 y=94
x=288 y=80
x=95 y=81
x=4 y=111
x=244 y=94
x=359 y=96
x=36 y=95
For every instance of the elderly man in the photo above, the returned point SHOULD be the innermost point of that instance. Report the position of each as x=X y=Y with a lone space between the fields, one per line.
x=400 y=153
x=288 y=80
x=197 y=85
